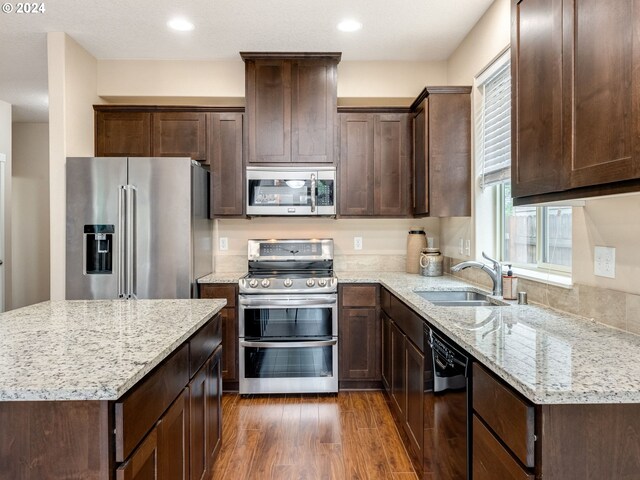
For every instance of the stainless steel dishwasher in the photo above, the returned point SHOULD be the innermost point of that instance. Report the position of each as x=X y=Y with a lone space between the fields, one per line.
x=446 y=425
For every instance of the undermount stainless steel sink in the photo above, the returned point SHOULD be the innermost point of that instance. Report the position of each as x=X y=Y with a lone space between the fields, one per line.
x=453 y=298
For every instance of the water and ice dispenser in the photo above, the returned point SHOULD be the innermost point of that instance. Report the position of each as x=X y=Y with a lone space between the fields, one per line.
x=98 y=247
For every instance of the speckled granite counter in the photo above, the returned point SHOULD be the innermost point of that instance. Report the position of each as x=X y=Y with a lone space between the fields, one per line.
x=549 y=356
x=91 y=350
x=224 y=277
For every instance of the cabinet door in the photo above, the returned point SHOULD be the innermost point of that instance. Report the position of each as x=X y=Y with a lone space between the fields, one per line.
x=449 y=153
x=269 y=110
x=143 y=462
x=173 y=440
x=601 y=64
x=391 y=164
x=225 y=155
x=314 y=111
x=213 y=407
x=359 y=334
x=229 y=345
x=123 y=134
x=539 y=154
x=197 y=430
x=415 y=397
x=386 y=352
x=180 y=134
x=398 y=376
x=421 y=159
x=356 y=164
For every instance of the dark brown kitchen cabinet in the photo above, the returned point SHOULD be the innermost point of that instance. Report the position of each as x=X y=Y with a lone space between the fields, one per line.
x=442 y=152
x=225 y=157
x=575 y=119
x=229 y=320
x=359 y=336
x=122 y=134
x=180 y=134
x=213 y=407
x=403 y=370
x=173 y=440
x=144 y=462
x=386 y=351
x=375 y=160
x=197 y=427
x=291 y=102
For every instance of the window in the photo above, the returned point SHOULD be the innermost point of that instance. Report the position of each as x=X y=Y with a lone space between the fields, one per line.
x=528 y=237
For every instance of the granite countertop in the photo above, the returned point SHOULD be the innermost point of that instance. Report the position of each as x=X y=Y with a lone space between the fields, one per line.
x=549 y=356
x=225 y=277
x=91 y=350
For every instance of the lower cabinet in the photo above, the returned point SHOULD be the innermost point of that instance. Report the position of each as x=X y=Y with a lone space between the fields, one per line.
x=144 y=461
x=173 y=440
x=229 y=320
x=359 y=336
x=403 y=371
x=184 y=442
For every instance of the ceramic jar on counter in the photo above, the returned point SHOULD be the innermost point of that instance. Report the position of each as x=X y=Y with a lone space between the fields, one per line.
x=416 y=242
x=431 y=262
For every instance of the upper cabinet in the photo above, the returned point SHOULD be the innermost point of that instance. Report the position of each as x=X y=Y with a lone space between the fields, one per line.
x=575 y=114
x=180 y=134
x=291 y=106
x=442 y=152
x=122 y=134
x=375 y=164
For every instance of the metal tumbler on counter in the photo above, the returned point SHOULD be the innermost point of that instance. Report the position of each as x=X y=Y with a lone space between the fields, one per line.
x=431 y=262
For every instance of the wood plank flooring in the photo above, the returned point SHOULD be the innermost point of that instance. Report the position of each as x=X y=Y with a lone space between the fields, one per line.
x=350 y=435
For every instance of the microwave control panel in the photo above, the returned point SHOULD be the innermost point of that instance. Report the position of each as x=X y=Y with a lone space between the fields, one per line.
x=325 y=193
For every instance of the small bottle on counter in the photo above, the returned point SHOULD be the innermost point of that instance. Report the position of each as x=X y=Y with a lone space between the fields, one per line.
x=509 y=285
x=416 y=241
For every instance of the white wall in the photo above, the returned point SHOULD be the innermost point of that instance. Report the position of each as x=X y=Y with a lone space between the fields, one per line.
x=72 y=94
x=30 y=214
x=6 y=149
x=222 y=83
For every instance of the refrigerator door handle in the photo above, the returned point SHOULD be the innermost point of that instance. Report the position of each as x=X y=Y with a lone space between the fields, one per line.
x=122 y=265
x=131 y=241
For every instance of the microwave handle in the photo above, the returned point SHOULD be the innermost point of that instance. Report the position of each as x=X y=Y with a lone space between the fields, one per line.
x=313 y=192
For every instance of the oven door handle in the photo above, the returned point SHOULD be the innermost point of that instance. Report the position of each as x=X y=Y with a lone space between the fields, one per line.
x=309 y=344
x=268 y=302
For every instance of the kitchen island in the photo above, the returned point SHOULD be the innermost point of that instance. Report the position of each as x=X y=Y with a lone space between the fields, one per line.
x=103 y=389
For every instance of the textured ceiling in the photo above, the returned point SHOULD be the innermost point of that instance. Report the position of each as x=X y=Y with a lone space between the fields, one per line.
x=414 y=30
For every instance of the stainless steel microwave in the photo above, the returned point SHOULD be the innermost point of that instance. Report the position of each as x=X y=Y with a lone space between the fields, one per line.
x=309 y=191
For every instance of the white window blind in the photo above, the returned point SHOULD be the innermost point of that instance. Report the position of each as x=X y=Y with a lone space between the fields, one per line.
x=493 y=123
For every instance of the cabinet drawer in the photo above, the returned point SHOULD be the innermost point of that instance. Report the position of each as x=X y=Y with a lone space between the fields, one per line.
x=203 y=343
x=491 y=460
x=359 y=296
x=228 y=292
x=138 y=411
x=505 y=412
x=408 y=321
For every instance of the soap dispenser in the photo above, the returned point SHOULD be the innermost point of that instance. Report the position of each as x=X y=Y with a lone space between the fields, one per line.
x=509 y=285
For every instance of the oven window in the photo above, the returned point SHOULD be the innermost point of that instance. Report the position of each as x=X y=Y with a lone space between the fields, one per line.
x=288 y=193
x=287 y=323
x=295 y=362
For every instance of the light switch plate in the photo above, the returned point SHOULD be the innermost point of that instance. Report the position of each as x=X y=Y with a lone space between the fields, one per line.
x=604 y=263
x=224 y=243
x=461 y=246
x=467 y=247
x=357 y=243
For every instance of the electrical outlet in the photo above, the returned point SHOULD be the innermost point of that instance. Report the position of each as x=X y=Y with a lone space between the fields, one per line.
x=604 y=264
x=224 y=243
x=467 y=248
x=461 y=246
x=357 y=243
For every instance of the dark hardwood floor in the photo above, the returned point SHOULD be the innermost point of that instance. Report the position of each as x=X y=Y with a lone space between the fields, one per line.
x=350 y=435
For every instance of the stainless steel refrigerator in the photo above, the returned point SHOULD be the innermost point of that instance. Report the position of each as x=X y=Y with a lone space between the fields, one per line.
x=136 y=227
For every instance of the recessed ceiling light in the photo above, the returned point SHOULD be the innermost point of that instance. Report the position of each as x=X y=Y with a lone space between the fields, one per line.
x=180 y=24
x=349 y=26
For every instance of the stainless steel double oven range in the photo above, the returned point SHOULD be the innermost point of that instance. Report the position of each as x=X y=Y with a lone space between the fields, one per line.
x=288 y=318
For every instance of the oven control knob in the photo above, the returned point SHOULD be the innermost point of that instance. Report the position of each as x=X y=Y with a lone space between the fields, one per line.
x=288 y=282
x=322 y=282
x=253 y=283
x=311 y=282
x=265 y=283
